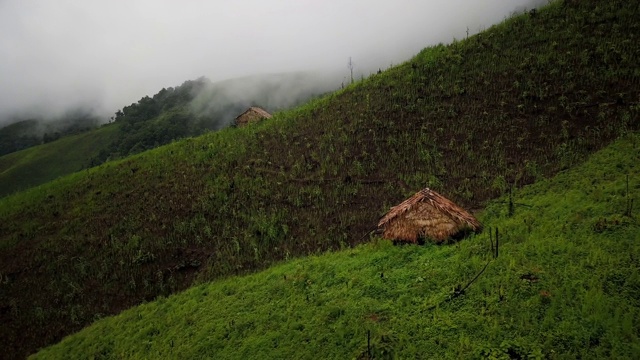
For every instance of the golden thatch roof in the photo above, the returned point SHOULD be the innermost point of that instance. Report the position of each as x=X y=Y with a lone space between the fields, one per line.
x=427 y=214
x=258 y=110
x=252 y=114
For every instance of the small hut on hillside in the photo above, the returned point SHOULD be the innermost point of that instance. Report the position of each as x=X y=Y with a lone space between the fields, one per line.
x=251 y=115
x=427 y=214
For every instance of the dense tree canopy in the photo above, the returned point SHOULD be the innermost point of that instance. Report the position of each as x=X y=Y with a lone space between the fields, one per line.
x=157 y=120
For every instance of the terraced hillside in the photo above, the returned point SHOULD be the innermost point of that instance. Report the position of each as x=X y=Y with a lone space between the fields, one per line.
x=519 y=102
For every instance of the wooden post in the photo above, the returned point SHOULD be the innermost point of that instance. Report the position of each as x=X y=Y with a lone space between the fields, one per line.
x=493 y=252
x=497 y=243
x=511 y=209
x=628 y=212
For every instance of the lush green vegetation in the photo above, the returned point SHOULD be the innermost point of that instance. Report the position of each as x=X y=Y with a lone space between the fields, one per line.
x=43 y=163
x=199 y=105
x=191 y=109
x=155 y=121
x=565 y=284
x=18 y=136
x=517 y=103
x=23 y=134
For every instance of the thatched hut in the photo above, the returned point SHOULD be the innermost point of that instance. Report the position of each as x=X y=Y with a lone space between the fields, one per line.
x=251 y=115
x=427 y=214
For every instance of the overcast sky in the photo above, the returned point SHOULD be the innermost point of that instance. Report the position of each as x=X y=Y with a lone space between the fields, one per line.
x=55 y=54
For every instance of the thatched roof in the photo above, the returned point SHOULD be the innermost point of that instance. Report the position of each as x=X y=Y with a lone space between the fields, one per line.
x=252 y=114
x=427 y=214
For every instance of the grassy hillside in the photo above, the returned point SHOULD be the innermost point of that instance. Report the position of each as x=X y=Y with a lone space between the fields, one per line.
x=565 y=284
x=22 y=134
x=191 y=109
x=519 y=102
x=43 y=163
x=18 y=135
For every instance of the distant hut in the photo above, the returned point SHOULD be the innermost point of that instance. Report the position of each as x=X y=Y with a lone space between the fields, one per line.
x=251 y=115
x=427 y=214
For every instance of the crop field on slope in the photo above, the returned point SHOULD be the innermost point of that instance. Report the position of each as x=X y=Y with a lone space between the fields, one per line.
x=519 y=102
x=565 y=284
x=191 y=109
x=43 y=163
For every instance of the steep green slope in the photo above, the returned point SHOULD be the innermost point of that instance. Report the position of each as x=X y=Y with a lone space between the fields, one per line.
x=18 y=135
x=200 y=105
x=191 y=109
x=519 y=102
x=22 y=134
x=565 y=284
x=43 y=163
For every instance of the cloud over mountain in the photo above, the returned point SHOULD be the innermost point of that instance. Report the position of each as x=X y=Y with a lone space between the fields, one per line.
x=105 y=54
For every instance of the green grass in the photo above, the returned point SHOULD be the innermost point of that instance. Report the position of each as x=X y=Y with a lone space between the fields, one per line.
x=520 y=102
x=40 y=164
x=566 y=284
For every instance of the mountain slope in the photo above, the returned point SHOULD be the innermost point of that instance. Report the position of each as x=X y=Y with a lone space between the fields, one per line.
x=199 y=105
x=40 y=164
x=519 y=102
x=18 y=135
x=22 y=134
x=565 y=284
x=191 y=109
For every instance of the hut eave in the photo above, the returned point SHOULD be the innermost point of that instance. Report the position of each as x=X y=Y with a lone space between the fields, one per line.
x=427 y=214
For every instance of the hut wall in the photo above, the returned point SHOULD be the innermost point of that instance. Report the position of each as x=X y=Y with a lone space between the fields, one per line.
x=423 y=220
